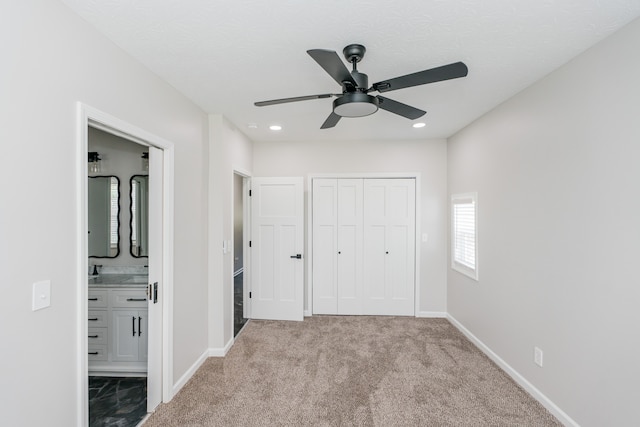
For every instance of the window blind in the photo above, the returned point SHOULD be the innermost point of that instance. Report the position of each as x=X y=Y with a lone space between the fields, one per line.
x=464 y=236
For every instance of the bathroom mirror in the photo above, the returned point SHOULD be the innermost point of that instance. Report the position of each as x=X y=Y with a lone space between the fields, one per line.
x=139 y=241
x=104 y=212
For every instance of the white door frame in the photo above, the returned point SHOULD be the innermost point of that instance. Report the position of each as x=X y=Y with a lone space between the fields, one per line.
x=90 y=116
x=310 y=178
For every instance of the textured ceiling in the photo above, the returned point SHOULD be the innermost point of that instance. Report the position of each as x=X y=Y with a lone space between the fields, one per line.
x=225 y=54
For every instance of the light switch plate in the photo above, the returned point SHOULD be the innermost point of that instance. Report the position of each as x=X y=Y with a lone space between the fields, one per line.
x=425 y=237
x=41 y=295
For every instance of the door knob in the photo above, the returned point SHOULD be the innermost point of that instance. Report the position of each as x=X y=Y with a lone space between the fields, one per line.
x=296 y=256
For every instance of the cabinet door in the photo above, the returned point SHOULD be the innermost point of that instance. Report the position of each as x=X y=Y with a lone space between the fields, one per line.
x=389 y=247
x=124 y=335
x=143 y=335
x=325 y=245
x=349 y=265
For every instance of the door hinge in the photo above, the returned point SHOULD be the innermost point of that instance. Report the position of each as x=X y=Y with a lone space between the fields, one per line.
x=249 y=193
x=249 y=243
x=249 y=294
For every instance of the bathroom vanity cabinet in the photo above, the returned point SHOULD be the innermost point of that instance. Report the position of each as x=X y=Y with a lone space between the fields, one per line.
x=118 y=332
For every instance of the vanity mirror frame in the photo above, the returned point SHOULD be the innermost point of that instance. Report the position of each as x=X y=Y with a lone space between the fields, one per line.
x=118 y=225
x=132 y=216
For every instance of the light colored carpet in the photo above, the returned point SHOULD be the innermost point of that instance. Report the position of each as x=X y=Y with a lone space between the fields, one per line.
x=352 y=371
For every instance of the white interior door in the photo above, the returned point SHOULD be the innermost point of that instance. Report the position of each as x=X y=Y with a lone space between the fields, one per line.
x=154 y=344
x=325 y=246
x=350 y=246
x=389 y=247
x=277 y=239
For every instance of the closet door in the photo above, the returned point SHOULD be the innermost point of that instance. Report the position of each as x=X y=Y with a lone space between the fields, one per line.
x=337 y=246
x=389 y=247
x=349 y=277
x=325 y=245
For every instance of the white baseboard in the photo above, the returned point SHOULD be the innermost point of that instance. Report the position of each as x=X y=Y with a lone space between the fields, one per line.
x=187 y=375
x=221 y=351
x=211 y=352
x=522 y=381
x=431 y=314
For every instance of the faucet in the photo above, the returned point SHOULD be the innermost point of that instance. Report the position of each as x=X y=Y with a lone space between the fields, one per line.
x=95 y=269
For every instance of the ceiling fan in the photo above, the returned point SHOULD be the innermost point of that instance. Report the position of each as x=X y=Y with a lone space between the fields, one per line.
x=355 y=101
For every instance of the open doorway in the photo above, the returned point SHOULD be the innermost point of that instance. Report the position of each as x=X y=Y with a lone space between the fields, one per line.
x=118 y=327
x=121 y=330
x=239 y=318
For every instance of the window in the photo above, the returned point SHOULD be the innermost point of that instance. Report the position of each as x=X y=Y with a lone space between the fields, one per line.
x=464 y=236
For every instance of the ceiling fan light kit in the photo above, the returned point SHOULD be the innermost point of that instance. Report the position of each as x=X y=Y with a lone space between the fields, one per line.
x=355 y=100
x=355 y=104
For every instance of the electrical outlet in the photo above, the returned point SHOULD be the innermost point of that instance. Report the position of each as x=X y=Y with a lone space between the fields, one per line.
x=537 y=356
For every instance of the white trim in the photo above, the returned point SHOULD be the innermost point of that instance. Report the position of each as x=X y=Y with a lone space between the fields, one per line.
x=210 y=352
x=368 y=175
x=184 y=379
x=82 y=245
x=432 y=314
x=167 y=277
x=221 y=351
x=522 y=381
x=417 y=242
x=86 y=116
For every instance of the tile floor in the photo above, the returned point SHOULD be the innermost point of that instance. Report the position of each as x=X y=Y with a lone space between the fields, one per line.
x=238 y=320
x=117 y=402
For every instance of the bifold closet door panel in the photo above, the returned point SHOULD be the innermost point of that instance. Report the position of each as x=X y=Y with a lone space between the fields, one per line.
x=389 y=247
x=325 y=246
x=349 y=277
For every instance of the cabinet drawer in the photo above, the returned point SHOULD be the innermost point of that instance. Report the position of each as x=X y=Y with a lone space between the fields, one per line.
x=97 y=352
x=97 y=336
x=97 y=318
x=98 y=298
x=129 y=298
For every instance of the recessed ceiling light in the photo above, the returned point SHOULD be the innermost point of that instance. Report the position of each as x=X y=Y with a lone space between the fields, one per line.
x=252 y=126
x=419 y=125
x=275 y=127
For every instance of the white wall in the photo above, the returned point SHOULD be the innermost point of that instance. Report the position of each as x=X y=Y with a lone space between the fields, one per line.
x=557 y=169
x=51 y=59
x=429 y=158
x=229 y=150
x=121 y=158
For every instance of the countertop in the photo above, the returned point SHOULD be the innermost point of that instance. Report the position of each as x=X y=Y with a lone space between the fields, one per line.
x=132 y=281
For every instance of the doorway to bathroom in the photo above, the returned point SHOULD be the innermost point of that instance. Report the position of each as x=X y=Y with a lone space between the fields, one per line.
x=118 y=328
x=240 y=308
x=138 y=306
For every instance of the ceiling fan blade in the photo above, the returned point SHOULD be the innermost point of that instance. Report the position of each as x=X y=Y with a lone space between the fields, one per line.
x=332 y=64
x=295 y=99
x=446 y=72
x=399 y=108
x=331 y=121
